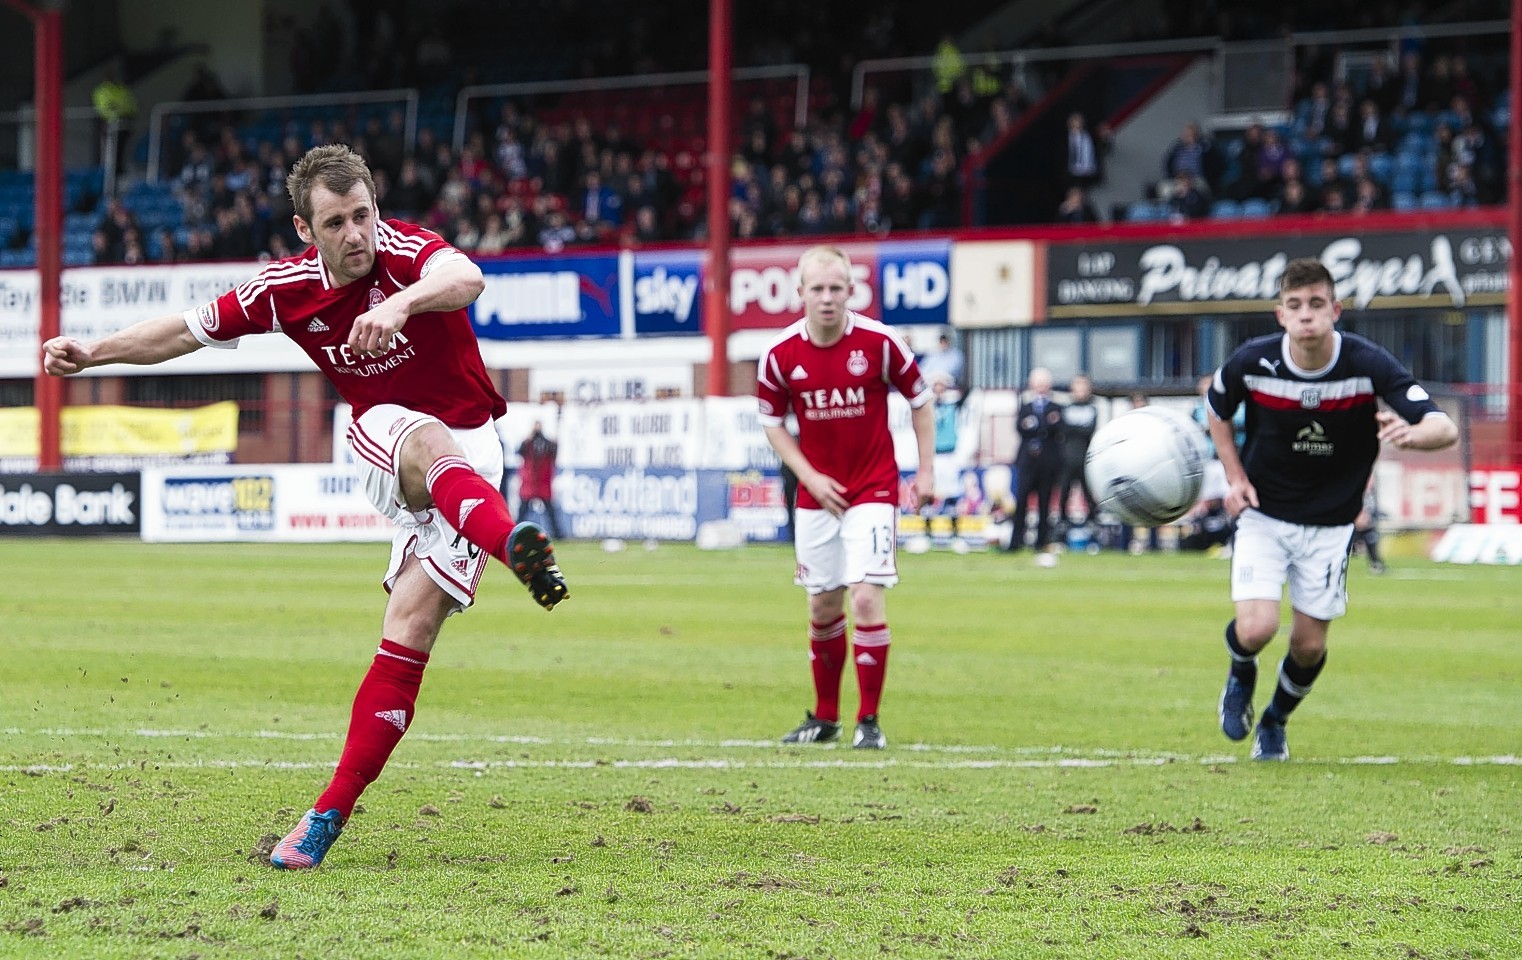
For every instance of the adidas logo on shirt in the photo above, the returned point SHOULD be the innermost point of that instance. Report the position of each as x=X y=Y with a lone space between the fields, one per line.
x=798 y=373
x=397 y=718
x=317 y=326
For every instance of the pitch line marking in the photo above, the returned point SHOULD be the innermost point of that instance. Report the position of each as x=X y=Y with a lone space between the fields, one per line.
x=482 y=767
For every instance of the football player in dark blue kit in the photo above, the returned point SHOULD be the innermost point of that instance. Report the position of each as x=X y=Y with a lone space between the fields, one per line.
x=1313 y=431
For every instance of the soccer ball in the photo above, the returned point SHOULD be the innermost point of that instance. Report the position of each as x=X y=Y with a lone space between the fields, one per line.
x=1146 y=466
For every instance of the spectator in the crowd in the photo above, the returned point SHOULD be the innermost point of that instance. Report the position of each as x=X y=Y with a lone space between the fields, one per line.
x=1374 y=131
x=1342 y=130
x=946 y=358
x=1082 y=154
x=1191 y=155
x=1334 y=184
x=942 y=192
x=1367 y=196
x=1271 y=163
x=1461 y=189
x=647 y=225
x=1076 y=208
x=408 y=197
x=1240 y=180
x=1314 y=113
x=1186 y=201
x=1294 y=199
x=602 y=209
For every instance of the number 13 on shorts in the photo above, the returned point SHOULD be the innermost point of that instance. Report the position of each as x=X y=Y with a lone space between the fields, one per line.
x=857 y=547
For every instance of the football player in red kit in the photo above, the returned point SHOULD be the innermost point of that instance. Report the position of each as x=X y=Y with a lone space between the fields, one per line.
x=833 y=369
x=380 y=307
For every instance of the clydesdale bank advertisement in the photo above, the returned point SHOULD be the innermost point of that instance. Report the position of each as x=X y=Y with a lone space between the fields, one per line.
x=1415 y=269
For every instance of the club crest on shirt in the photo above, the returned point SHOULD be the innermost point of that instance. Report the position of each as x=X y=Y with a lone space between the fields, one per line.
x=1310 y=398
x=856 y=364
x=207 y=313
x=376 y=297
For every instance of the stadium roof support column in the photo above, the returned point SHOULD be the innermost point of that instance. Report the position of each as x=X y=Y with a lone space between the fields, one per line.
x=47 y=24
x=1514 y=205
x=716 y=277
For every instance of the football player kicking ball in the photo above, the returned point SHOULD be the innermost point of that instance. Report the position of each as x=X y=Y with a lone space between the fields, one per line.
x=379 y=306
x=1313 y=431
x=833 y=369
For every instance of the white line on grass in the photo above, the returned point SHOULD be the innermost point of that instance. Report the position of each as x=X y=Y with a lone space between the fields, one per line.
x=482 y=767
x=911 y=756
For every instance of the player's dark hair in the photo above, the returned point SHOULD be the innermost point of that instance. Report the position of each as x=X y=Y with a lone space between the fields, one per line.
x=333 y=166
x=1305 y=272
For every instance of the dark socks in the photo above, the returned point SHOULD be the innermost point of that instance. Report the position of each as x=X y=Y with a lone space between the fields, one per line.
x=1244 y=665
x=1294 y=685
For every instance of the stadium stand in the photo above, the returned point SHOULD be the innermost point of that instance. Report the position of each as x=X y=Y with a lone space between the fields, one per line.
x=1408 y=127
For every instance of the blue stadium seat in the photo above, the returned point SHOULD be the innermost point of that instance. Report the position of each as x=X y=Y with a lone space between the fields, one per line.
x=1406 y=181
x=1225 y=209
x=1144 y=211
x=1419 y=121
x=1254 y=208
x=1435 y=200
x=1381 y=165
x=1403 y=200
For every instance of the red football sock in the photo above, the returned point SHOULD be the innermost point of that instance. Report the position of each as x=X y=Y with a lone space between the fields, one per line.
x=871 y=666
x=471 y=505
x=382 y=711
x=827 y=656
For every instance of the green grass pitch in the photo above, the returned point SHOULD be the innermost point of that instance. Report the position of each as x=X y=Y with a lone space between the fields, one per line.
x=605 y=781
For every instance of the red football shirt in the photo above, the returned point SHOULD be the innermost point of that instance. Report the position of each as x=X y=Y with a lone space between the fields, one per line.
x=839 y=394
x=434 y=366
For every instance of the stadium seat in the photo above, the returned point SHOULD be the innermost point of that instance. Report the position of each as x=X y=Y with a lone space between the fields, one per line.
x=1419 y=121
x=1435 y=200
x=1381 y=166
x=1225 y=209
x=1144 y=211
x=1403 y=200
x=1255 y=208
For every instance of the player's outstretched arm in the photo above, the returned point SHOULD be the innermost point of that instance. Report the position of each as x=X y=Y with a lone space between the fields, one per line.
x=147 y=342
x=1435 y=431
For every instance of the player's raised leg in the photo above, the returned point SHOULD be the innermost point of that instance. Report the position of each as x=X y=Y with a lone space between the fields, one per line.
x=433 y=469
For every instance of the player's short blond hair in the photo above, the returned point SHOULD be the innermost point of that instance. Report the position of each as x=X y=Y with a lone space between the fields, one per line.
x=821 y=253
x=333 y=166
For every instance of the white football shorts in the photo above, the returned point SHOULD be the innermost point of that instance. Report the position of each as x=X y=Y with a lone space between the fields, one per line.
x=450 y=560
x=1314 y=560
x=860 y=546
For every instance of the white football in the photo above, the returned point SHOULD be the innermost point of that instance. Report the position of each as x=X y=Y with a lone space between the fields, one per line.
x=1146 y=466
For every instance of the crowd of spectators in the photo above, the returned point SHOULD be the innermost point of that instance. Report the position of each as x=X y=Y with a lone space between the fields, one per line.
x=1386 y=137
x=546 y=179
x=536 y=184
